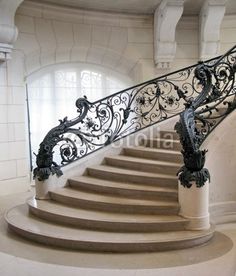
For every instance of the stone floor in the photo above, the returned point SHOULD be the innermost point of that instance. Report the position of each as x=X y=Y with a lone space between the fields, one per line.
x=24 y=258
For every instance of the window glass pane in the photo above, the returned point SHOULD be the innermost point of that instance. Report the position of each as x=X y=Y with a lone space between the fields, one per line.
x=91 y=85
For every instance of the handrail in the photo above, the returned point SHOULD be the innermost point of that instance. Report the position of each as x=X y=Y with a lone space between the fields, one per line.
x=202 y=114
x=114 y=117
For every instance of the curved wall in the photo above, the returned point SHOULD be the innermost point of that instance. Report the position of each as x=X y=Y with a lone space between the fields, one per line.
x=221 y=162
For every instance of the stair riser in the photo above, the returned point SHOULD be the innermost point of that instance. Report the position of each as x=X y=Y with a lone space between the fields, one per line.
x=108 y=225
x=110 y=207
x=137 y=179
x=158 y=168
x=109 y=246
x=160 y=144
x=130 y=193
x=175 y=158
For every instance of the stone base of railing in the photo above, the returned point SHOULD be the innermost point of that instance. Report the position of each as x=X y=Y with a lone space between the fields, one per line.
x=42 y=188
x=194 y=205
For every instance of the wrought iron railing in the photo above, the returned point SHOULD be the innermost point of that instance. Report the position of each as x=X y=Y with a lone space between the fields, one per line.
x=114 y=117
x=202 y=114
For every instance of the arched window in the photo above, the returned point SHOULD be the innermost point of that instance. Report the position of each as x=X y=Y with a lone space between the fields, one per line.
x=53 y=91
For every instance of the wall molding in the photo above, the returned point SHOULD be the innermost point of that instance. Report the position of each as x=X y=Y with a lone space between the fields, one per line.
x=223 y=212
x=67 y=14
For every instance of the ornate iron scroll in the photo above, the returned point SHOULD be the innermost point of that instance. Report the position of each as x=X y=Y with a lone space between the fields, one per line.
x=114 y=117
x=202 y=114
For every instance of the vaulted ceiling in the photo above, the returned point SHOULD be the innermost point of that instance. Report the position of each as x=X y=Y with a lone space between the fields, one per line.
x=191 y=7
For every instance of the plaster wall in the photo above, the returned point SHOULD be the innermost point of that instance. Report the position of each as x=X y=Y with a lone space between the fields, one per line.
x=14 y=169
x=50 y=35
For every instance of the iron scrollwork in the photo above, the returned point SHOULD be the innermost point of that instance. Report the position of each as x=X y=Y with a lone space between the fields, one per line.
x=202 y=114
x=68 y=150
x=114 y=117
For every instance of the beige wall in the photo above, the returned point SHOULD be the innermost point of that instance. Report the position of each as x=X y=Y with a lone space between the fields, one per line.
x=228 y=33
x=50 y=35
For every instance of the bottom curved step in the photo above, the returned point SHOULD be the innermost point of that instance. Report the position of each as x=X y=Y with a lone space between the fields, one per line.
x=20 y=221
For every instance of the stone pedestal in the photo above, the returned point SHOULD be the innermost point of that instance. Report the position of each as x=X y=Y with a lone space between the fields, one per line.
x=42 y=188
x=194 y=204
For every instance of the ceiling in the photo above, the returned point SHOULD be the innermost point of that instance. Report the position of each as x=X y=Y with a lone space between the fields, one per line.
x=191 y=7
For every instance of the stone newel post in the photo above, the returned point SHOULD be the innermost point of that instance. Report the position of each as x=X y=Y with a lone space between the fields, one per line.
x=42 y=188
x=194 y=202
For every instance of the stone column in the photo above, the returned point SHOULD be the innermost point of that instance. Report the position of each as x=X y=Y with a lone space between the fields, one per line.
x=8 y=30
x=194 y=204
x=42 y=188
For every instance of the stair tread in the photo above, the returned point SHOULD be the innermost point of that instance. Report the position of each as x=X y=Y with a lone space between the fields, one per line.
x=157 y=150
x=115 y=184
x=164 y=139
x=168 y=132
x=76 y=194
x=142 y=160
x=53 y=207
x=131 y=172
x=19 y=218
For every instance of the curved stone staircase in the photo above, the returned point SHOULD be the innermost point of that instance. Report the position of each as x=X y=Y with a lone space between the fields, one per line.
x=127 y=204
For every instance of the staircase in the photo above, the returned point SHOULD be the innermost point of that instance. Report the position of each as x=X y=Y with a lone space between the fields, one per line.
x=127 y=204
x=131 y=202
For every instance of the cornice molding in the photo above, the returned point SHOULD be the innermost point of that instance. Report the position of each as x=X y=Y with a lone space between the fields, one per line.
x=50 y=11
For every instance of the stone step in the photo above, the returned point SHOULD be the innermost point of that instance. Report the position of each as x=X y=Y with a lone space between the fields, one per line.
x=41 y=231
x=104 y=221
x=162 y=144
x=132 y=176
x=155 y=154
x=81 y=199
x=132 y=190
x=146 y=165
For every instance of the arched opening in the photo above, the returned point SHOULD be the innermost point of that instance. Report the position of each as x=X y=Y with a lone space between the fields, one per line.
x=53 y=91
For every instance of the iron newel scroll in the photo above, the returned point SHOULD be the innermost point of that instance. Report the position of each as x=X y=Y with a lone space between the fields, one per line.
x=68 y=149
x=217 y=80
x=191 y=137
